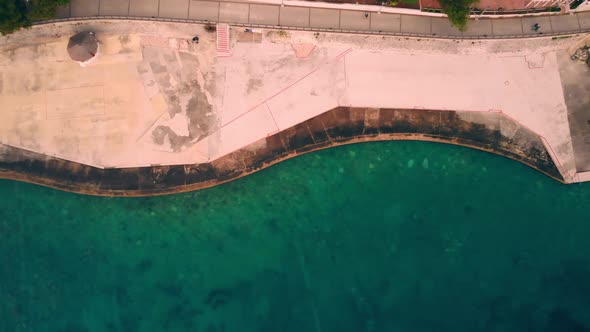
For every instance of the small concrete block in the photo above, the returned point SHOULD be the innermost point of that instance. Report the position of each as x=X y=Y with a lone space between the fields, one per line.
x=419 y=25
x=84 y=7
x=564 y=23
x=204 y=10
x=114 y=7
x=325 y=18
x=174 y=8
x=442 y=27
x=584 y=19
x=294 y=16
x=233 y=12
x=63 y=11
x=507 y=27
x=354 y=20
x=481 y=27
x=264 y=14
x=543 y=21
x=386 y=22
x=146 y=8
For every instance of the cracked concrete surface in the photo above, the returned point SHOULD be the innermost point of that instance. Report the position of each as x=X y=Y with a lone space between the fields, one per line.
x=189 y=114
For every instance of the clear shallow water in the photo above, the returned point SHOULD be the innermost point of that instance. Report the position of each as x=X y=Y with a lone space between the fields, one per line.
x=395 y=236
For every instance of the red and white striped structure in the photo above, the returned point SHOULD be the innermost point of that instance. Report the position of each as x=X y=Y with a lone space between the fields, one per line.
x=549 y=3
x=223 y=46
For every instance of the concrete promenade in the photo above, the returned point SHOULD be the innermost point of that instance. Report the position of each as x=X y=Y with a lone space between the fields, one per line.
x=158 y=111
x=293 y=15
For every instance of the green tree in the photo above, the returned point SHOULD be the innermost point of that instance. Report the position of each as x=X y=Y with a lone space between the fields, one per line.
x=45 y=9
x=16 y=14
x=12 y=16
x=458 y=11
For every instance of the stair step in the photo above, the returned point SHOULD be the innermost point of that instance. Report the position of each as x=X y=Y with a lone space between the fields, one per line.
x=223 y=43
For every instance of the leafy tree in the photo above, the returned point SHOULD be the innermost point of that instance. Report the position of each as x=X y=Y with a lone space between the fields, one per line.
x=16 y=14
x=458 y=11
x=45 y=9
x=12 y=16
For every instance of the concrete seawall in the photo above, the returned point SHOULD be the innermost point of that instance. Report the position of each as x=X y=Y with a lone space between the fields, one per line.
x=342 y=125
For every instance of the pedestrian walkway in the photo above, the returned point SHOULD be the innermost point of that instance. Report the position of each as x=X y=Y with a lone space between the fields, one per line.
x=348 y=20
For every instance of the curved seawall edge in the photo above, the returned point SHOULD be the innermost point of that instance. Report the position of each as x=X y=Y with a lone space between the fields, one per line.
x=339 y=126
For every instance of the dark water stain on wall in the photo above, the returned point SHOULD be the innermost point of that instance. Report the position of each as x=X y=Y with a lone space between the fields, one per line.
x=339 y=126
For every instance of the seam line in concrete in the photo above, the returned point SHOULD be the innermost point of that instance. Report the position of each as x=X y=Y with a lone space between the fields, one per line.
x=159 y=8
x=272 y=116
x=345 y=76
x=45 y=103
x=188 y=10
x=249 y=6
x=104 y=104
x=310 y=133
x=285 y=88
x=129 y=7
x=269 y=98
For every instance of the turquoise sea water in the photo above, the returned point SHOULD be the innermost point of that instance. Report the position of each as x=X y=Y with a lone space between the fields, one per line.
x=392 y=236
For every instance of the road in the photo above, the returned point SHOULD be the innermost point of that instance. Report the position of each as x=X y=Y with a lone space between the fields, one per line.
x=331 y=18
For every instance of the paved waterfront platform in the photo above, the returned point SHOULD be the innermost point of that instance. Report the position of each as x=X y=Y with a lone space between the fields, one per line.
x=154 y=100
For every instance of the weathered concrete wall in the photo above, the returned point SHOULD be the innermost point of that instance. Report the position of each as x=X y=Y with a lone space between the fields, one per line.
x=575 y=81
x=342 y=125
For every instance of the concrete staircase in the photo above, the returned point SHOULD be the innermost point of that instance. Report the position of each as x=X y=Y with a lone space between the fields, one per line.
x=223 y=46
